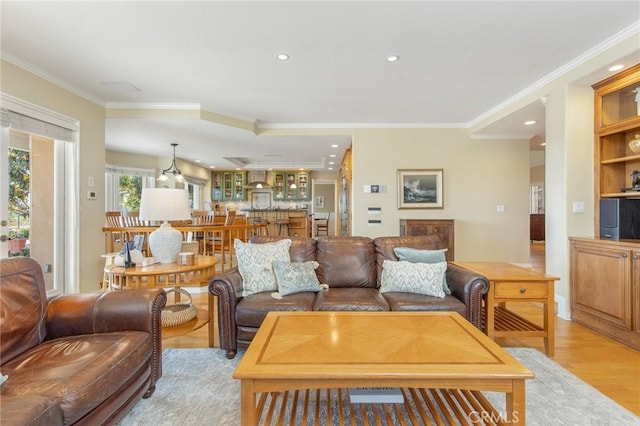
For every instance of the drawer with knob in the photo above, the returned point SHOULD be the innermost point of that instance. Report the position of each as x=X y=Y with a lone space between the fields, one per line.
x=520 y=290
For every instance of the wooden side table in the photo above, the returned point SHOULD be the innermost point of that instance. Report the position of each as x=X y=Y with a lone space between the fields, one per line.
x=511 y=283
x=168 y=275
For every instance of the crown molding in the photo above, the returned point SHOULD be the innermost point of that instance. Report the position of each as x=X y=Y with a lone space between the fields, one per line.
x=39 y=72
x=265 y=126
x=631 y=30
x=502 y=136
x=152 y=105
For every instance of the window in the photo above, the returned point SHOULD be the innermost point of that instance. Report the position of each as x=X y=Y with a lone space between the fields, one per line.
x=123 y=187
x=536 y=199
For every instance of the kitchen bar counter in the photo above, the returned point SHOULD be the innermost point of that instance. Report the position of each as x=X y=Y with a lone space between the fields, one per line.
x=299 y=219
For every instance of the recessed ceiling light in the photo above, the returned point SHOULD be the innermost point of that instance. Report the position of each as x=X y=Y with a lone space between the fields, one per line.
x=530 y=122
x=333 y=155
x=617 y=67
x=334 y=146
x=393 y=58
x=332 y=162
x=198 y=161
x=282 y=57
x=330 y=168
x=212 y=167
x=543 y=144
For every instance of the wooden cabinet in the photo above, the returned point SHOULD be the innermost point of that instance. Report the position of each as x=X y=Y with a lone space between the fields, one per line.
x=605 y=287
x=536 y=227
x=605 y=274
x=617 y=122
x=229 y=186
x=282 y=186
x=442 y=228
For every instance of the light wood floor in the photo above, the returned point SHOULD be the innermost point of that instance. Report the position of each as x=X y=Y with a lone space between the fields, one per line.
x=609 y=366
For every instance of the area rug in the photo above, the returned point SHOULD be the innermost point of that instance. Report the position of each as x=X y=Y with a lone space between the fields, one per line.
x=197 y=388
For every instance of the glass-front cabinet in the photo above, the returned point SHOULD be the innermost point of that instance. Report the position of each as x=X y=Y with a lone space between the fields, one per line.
x=291 y=186
x=617 y=139
x=229 y=186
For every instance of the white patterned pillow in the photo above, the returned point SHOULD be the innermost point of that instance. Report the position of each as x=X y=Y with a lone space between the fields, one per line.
x=407 y=277
x=296 y=277
x=255 y=264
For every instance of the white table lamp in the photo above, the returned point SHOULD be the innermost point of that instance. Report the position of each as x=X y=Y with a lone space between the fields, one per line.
x=164 y=204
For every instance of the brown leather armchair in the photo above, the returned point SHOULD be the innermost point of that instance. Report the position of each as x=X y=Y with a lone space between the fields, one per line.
x=77 y=358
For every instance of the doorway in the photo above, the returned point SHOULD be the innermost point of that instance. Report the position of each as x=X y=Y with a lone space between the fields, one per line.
x=324 y=202
x=37 y=199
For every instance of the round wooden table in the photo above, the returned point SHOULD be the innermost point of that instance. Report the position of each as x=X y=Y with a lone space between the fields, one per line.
x=170 y=275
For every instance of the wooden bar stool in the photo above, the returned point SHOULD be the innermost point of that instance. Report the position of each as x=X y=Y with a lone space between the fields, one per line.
x=282 y=223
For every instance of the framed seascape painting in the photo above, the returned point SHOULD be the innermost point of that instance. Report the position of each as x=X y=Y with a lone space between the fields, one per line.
x=420 y=189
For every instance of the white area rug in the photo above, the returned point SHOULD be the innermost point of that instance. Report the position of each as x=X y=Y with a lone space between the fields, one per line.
x=197 y=389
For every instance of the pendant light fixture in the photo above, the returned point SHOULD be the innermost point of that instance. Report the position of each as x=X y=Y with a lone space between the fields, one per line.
x=173 y=169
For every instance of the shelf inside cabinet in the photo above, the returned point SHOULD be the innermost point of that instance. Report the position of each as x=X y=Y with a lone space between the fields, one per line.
x=635 y=157
x=628 y=194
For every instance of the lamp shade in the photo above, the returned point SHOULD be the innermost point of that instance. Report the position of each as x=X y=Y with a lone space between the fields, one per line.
x=164 y=204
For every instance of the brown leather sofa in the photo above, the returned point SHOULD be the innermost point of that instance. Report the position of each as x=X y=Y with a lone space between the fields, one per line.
x=352 y=267
x=77 y=358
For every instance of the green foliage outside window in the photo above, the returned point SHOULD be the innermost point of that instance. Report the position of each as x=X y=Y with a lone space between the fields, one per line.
x=130 y=192
x=19 y=183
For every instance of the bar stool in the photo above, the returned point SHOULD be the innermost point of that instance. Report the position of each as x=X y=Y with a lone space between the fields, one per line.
x=282 y=223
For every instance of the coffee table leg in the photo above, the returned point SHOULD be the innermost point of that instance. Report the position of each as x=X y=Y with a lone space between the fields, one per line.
x=248 y=414
x=515 y=404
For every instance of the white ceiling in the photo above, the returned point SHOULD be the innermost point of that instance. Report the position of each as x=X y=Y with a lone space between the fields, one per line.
x=458 y=60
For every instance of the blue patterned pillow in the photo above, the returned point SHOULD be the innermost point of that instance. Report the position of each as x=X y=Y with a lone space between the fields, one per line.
x=423 y=256
x=255 y=264
x=296 y=277
x=407 y=277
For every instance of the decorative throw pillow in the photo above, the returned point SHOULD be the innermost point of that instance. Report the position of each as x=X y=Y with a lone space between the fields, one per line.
x=407 y=277
x=423 y=256
x=255 y=264
x=296 y=277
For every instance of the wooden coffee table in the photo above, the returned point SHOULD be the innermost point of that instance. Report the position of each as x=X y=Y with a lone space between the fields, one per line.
x=410 y=350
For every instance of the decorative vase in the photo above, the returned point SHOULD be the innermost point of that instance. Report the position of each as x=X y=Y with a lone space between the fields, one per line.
x=634 y=144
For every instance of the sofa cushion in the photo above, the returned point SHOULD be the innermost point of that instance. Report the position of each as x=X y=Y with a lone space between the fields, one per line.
x=296 y=277
x=251 y=310
x=80 y=371
x=423 y=256
x=32 y=410
x=255 y=263
x=407 y=277
x=350 y=299
x=346 y=262
x=419 y=302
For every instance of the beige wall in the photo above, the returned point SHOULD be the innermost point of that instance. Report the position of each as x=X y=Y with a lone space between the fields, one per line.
x=536 y=174
x=478 y=176
x=28 y=87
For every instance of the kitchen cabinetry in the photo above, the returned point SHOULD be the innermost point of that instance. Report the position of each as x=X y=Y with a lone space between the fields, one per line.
x=229 y=186
x=442 y=228
x=283 y=182
x=605 y=287
x=617 y=122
